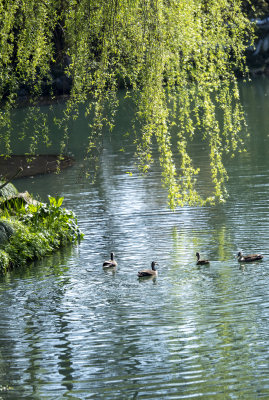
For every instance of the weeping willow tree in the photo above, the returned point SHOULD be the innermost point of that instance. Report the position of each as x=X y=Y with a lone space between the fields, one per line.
x=177 y=60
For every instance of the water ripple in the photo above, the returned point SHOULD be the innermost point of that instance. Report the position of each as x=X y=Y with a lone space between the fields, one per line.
x=69 y=329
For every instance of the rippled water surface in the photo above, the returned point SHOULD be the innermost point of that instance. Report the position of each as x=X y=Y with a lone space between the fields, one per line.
x=69 y=330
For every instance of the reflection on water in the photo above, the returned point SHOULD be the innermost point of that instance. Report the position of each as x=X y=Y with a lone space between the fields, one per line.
x=69 y=329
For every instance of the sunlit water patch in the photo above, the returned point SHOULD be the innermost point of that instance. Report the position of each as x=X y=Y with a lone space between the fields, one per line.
x=69 y=329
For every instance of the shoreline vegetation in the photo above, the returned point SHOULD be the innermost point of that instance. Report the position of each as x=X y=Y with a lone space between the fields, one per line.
x=30 y=229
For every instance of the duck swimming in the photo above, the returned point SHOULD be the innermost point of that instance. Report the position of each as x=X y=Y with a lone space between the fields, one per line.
x=199 y=261
x=110 y=263
x=149 y=272
x=249 y=258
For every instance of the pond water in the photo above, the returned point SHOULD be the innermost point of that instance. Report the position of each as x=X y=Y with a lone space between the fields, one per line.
x=70 y=330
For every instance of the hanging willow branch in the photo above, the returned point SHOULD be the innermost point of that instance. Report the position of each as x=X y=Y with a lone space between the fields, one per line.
x=178 y=61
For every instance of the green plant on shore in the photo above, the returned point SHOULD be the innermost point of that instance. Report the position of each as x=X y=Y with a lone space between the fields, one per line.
x=52 y=217
x=37 y=230
x=4 y=261
x=13 y=206
x=27 y=244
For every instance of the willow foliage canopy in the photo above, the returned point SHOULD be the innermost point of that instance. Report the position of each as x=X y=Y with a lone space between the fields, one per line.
x=177 y=59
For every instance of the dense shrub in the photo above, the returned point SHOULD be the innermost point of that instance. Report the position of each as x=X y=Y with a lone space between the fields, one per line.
x=34 y=230
x=4 y=261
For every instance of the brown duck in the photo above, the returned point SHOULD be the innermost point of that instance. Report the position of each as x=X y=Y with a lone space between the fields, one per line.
x=199 y=261
x=249 y=258
x=110 y=263
x=149 y=272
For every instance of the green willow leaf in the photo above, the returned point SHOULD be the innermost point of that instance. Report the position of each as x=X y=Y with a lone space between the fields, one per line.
x=177 y=60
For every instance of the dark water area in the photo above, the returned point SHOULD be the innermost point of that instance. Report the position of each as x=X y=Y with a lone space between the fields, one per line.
x=70 y=330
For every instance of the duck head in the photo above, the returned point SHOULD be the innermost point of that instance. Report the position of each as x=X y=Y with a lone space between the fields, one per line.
x=153 y=265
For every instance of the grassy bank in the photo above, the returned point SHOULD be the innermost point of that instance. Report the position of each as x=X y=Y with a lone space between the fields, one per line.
x=30 y=229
